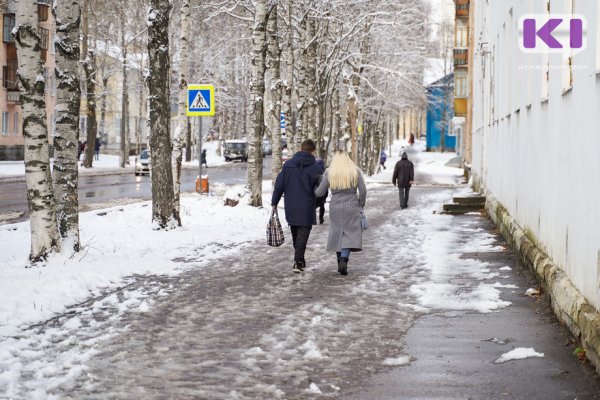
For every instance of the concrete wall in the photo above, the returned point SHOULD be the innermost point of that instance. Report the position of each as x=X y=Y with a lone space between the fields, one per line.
x=536 y=141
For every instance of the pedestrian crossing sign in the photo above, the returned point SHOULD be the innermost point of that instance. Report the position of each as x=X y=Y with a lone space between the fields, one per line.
x=201 y=101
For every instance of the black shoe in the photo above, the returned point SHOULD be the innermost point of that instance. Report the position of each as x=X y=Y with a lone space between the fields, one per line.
x=321 y=222
x=343 y=268
x=299 y=267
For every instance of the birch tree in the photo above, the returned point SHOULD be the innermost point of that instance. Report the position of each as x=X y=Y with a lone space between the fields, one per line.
x=276 y=88
x=257 y=119
x=182 y=122
x=88 y=65
x=163 y=211
x=40 y=195
x=67 y=16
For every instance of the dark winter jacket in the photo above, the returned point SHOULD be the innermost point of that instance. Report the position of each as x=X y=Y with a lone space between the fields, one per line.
x=97 y=145
x=321 y=200
x=404 y=172
x=297 y=181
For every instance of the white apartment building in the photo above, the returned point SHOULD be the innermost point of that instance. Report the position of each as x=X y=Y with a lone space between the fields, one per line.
x=536 y=133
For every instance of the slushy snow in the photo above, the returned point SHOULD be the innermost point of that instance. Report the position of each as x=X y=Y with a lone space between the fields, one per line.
x=519 y=353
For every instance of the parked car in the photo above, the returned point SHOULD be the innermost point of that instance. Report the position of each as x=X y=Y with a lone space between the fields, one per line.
x=236 y=150
x=142 y=163
x=267 y=149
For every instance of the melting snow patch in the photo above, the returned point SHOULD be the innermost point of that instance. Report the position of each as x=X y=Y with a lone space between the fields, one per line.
x=397 y=362
x=313 y=388
x=519 y=353
x=312 y=351
x=501 y=285
x=507 y=268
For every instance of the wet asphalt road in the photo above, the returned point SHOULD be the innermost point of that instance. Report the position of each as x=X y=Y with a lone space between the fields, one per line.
x=107 y=189
x=245 y=327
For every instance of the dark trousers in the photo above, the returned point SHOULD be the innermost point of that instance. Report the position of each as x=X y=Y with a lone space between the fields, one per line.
x=321 y=213
x=404 y=196
x=300 y=236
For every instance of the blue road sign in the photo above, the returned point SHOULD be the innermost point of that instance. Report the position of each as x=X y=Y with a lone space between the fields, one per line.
x=201 y=100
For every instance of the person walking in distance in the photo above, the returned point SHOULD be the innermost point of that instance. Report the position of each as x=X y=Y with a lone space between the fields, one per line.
x=404 y=175
x=296 y=182
x=97 y=148
x=344 y=179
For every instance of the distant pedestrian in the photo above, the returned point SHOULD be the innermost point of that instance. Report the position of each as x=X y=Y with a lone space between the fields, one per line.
x=203 y=158
x=402 y=151
x=382 y=160
x=321 y=200
x=404 y=175
x=345 y=231
x=411 y=139
x=97 y=146
x=80 y=149
x=297 y=181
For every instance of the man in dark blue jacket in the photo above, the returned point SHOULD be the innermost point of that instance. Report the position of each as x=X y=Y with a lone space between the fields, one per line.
x=297 y=181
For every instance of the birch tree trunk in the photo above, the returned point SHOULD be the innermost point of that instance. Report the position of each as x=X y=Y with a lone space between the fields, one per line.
x=257 y=118
x=40 y=195
x=124 y=157
x=181 y=102
x=289 y=109
x=67 y=15
x=89 y=70
x=276 y=87
x=163 y=212
x=310 y=101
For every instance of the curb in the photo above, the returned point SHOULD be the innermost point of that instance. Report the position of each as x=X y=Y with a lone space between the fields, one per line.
x=567 y=302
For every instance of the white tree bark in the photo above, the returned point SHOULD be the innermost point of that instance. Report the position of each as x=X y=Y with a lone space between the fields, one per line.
x=276 y=88
x=289 y=109
x=163 y=212
x=67 y=16
x=40 y=195
x=257 y=123
x=181 y=102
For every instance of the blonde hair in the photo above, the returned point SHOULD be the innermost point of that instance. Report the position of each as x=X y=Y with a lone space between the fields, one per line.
x=342 y=172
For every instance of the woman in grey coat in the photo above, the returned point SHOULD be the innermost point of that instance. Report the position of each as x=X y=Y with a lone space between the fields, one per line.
x=345 y=232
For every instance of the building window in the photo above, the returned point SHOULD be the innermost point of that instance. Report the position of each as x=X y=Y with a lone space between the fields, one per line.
x=460 y=84
x=42 y=12
x=16 y=126
x=82 y=126
x=9 y=77
x=7 y=27
x=44 y=38
x=461 y=38
x=118 y=128
x=53 y=125
x=4 y=123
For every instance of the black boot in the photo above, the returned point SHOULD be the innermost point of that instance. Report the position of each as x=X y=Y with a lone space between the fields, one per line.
x=339 y=255
x=343 y=268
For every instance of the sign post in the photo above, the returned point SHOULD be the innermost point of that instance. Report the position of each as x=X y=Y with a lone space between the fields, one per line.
x=201 y=103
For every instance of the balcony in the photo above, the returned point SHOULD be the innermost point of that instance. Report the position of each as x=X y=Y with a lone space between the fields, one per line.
x=13 y=97
x=461 y=57
x=462 y=8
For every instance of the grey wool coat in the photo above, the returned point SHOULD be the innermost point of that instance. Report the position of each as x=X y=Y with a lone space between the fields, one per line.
x=345 y=231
